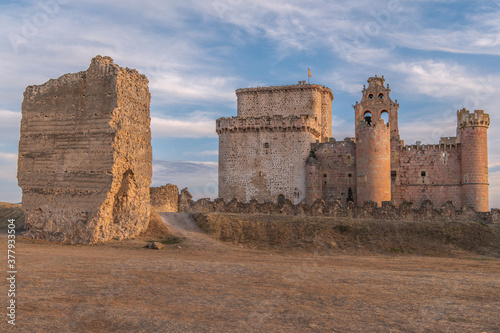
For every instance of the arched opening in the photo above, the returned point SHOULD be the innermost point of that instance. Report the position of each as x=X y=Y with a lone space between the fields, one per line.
x=125 y=196
x=370 y=96
x=368 y=117
x=385 y=116
x=281 y=199
x=350 y=197
x=381 y=96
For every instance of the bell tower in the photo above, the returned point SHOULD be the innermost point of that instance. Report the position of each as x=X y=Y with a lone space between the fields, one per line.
x=376 y=127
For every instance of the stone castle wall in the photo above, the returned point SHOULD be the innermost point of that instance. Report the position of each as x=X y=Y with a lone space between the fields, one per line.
x=165 y=198
x=85 y=155
x=429 y=172
x=264 y=153
x=331 y=172
x=263 y=164
x=262 y=150
x=406 y=211
x=291 y=100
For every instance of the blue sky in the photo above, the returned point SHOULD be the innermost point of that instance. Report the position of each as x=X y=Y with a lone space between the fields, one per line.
x=437 y=56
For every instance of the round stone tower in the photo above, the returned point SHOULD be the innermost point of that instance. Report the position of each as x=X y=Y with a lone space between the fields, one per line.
x=373 y=142
x=473 y=130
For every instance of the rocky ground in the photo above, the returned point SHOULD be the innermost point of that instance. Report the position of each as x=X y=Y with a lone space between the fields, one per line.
x=197 y=284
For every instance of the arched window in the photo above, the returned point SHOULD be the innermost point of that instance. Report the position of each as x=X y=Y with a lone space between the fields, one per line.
x=385 y=115
x=381 y=96
x=281 y=199
x=368 y=117
x=370 y=96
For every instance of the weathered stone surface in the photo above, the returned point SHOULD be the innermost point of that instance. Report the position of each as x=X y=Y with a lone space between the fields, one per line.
x=262 y=150
x=165 y=198
x=85 y=155
x=278 y=146
x=370 y=210
x=185 y=201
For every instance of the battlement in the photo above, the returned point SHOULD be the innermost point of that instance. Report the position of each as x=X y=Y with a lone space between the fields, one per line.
x=347 y=142
x=449 y=140
x=300 y=86
x=302 y=123
x=476 y=119
x=431 y=147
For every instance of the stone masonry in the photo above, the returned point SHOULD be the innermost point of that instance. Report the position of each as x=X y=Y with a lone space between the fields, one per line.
x=278 y=148
x=165 y=198
x=85 y=155
x=262 y=150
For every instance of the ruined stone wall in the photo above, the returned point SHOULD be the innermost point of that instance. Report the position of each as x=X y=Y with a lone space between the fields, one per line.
x=85 y=155
x=429 y=172
x=332 y=172
x=263 y=158
x=165 y=198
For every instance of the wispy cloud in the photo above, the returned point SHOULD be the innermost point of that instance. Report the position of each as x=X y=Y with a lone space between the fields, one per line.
x=446 y=80
x=193 y=127
x=201 y=178
x=8 y=164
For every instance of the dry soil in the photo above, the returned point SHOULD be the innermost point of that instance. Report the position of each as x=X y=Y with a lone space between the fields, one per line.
x=201 y=285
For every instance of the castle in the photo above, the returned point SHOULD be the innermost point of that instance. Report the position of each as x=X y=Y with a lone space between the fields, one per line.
x=280 y=147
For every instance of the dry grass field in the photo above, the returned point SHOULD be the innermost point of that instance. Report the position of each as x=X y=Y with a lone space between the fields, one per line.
x=198 y=284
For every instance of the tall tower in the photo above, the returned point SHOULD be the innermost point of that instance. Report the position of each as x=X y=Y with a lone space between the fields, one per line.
x=373 y=142
x=262 y=151
x=473 y=130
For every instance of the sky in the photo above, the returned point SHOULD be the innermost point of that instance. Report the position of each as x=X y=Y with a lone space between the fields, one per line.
x=437 y=57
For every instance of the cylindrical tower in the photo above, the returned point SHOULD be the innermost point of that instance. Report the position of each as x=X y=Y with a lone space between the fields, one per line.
x=373 y=142
x=373 y=161
x=473 y=130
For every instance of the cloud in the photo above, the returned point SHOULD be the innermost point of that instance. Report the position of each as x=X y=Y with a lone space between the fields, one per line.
x=174 y=87
x=180 y=128
x=202 y=153
x=447 y=80
x=8 y=165
x=201 y=178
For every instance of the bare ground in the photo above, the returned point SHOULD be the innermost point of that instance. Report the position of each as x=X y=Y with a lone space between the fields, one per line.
x=201 y=285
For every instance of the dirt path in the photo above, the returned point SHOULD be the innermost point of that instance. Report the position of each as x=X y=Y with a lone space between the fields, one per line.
x=183 y=225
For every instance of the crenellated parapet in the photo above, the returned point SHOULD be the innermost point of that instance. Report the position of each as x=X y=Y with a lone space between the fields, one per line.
x=476 y=119
x=302 y=123
x=431 y=147
x=301 y=86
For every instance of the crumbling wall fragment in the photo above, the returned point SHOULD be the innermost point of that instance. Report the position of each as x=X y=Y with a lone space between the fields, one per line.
x=165 y=198
x=85 y=155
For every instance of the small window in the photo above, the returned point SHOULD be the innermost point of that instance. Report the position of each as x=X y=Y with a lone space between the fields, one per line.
x=422 y=173
x=394 y=174
x=349 y=175
x=324 y=175
x=381 y=96
x=266 y=145
x=370 y=96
